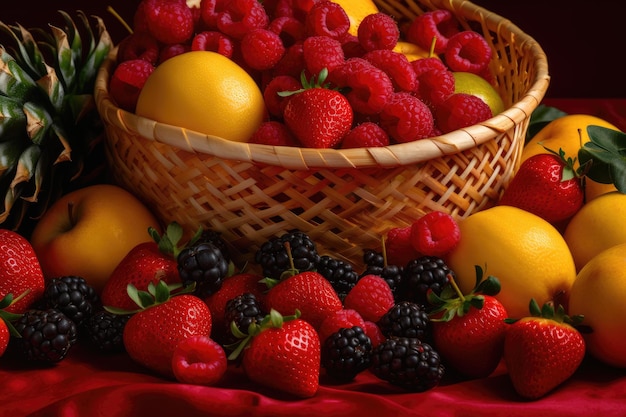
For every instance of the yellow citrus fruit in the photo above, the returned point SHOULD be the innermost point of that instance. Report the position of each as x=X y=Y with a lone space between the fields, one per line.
x=598 y=225
x=468 y=83
x=206 y=92
x=412 y=51
x=562 y=133
x=356 y=11
x=526 y=253
x=598 y=294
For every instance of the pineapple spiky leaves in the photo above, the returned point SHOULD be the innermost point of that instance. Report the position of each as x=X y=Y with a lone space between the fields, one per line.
x=50 y=129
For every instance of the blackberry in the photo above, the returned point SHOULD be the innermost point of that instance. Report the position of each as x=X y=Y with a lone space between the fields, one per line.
x=46 y=335
x=406 y=319
x=346 y=353
x=243 y=310
x=205 y=265
x=272 y=256
x=72 y=296
x=215 y=238
x=105 y=330
x=408 y=363
x=339 y=273
x=423 y=274
x=373 y=258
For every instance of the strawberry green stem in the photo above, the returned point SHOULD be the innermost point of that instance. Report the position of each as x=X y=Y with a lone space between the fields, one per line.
x=456 y=287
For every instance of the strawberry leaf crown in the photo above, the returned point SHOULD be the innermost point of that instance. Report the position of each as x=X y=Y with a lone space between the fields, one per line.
x=452 y=302
x=548 y=311
x=156 y=294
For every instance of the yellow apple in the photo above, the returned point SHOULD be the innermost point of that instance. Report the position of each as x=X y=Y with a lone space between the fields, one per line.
x=87 y=232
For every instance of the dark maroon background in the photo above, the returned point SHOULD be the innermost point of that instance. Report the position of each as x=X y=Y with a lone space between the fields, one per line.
x=583 y=41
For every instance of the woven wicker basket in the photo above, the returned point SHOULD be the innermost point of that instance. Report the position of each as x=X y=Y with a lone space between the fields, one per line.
x=344 y=199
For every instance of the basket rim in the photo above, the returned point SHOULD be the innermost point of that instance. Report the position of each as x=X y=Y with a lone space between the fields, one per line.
x=394 y=155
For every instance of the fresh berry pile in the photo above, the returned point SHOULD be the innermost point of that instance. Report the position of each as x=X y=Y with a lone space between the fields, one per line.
x=323 y=86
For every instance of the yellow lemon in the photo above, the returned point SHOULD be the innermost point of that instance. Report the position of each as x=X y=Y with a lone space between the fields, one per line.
x=598 y=225
x=598 y=294
x=468 y=83
x=526 y=253
x=206 y=92
x=412 y=51
x=562 y=133
x=356 y=11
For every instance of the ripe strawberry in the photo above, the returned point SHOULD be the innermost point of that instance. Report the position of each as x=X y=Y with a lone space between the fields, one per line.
x=543 y=350
x=308 y=292
x=148 y=262
x=6 y=319
x=161 y=323
x=19 y=271
x=371 y=297
x=319 y=117
x=468 y=330
x=282 y=353
x=546 y=185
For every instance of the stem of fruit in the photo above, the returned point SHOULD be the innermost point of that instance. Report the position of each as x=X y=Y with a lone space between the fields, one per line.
x=456 y=287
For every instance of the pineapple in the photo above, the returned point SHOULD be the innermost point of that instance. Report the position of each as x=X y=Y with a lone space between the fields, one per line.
x=50 y=130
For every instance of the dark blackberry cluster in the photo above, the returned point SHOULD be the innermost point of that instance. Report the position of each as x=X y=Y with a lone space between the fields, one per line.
x=273 y=257
x=375 y=265
x=423 y=274
x=205 y=265
x=46 y=335
x=244 y=310
x=346 y=353
x=73 y=297
x=406 y=319
x=105 y=331
x=339 y=273
x=408 y=363
x=215 y=238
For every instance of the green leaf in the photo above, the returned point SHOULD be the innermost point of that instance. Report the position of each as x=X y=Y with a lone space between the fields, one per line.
x=489 y=286
x=604 y=156
x=162 y=292
x=540 y=117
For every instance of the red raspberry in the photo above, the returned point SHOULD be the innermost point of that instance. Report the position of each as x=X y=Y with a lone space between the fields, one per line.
x=322 y=52
x=290 y=30
x=365 y=135
x=241 y=16
x=468 y=51
x=213 y=41
x=420 y=66
x=139 y=45
x=140 y=22
x=199 y=360
x=351 y=46
x=273 y=133
x=396 y=66
x=378 y=31
x=210 y=11
x=170 y=51
x=399 y=246
x=327 y=18
x=371 y=297
x=292 y=62
x=344 y=318
x=340 y=75
x=434 y=86
x=440 y=24
x=461 y=110
x=294 y=8
x=261 y=49
x=406 y=118
x=273 y=101
x=435 y=234
x=370 y=90
x=169 y=22
x=374 y=333
x=127 y=81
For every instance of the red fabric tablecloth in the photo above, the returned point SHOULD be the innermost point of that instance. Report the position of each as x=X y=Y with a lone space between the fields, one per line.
x=87 y=384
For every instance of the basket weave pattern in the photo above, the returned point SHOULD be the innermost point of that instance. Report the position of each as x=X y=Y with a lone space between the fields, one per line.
x=344 y=199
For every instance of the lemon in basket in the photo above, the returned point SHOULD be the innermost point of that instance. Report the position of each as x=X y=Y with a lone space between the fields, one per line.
x=356 y=11
x=206 y=92
x=469 y=83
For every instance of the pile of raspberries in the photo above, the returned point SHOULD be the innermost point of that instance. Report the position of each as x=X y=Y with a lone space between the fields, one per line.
x=279 y=41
